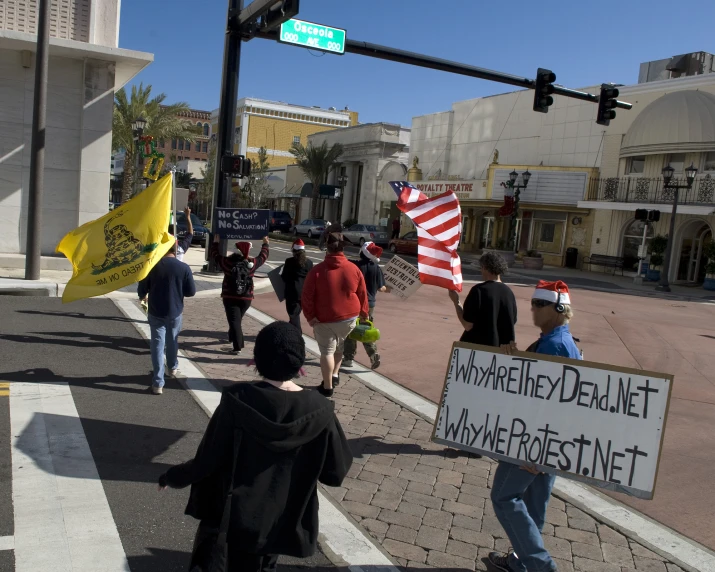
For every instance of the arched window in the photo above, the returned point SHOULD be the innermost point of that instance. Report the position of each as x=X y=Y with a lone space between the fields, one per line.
x=198 y=124
x=206 y=129
x=632 y=239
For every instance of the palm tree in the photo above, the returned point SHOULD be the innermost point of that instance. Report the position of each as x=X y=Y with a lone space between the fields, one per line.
x=316 y=163
x=163 y=122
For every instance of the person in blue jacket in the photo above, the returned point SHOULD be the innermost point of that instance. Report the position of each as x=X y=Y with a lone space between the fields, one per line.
x=520 y=494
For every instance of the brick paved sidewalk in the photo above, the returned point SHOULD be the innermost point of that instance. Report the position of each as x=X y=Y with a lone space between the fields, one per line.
x=427 y=505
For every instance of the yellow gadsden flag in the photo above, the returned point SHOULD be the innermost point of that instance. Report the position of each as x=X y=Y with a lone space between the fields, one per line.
x=121 y=247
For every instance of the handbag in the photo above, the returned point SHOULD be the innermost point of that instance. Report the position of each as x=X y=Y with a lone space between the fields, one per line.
x=365 y=332
x=210 y=544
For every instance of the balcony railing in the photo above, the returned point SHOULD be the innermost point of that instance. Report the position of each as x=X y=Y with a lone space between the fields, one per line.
x=644 y=190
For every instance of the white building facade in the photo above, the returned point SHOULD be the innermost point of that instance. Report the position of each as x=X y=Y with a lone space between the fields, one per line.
x=86 y=67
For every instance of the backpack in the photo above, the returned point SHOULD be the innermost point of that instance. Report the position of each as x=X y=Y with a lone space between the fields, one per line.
x=242 y=278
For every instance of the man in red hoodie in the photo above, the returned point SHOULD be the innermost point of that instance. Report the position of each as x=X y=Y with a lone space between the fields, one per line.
x=334 y=296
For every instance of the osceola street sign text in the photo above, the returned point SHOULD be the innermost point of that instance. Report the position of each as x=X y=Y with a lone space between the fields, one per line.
x=315 y=36
x=587 y=421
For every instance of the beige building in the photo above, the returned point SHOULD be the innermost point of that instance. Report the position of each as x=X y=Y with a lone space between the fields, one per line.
x=86 y=67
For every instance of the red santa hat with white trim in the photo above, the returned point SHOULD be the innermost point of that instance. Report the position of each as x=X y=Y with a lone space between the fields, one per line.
x=299 y=244
x=553 y=292
x=371 y=251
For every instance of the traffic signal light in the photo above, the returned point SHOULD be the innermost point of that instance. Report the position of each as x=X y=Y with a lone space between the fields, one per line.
x=641 y=214
x=646 y=215
x=544 y=88
x=653 y=216
x=281 y=11
x=236 y=166
x=606 y=104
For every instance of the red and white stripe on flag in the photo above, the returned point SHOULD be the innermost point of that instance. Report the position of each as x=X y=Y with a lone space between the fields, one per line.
x=438 y=221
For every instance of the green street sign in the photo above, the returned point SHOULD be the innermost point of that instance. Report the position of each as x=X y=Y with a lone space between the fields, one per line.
x=310 y=35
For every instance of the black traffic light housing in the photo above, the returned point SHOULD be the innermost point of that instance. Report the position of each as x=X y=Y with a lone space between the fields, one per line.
x=544 y=88
x=236 y=166
x=653 y=216
x=641 y=214
x=281 y=11
x=606 y=104
x=646 y=215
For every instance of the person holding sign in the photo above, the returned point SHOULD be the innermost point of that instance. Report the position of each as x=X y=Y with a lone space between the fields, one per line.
x=294 y=271
x=237 y=287
x=520 y=495
x=489 y=312
x=374 y=282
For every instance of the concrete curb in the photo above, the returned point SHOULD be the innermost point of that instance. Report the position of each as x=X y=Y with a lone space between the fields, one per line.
x=17 y=287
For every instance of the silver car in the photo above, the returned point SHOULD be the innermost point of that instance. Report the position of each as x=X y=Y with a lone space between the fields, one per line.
x=360 y=233
x=312 y=227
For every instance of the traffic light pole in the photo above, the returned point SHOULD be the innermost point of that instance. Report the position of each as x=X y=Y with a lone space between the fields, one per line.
x=412 y=58
x=227 y=117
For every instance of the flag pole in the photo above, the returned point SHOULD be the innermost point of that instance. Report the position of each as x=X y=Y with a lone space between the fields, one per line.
x=173 y=199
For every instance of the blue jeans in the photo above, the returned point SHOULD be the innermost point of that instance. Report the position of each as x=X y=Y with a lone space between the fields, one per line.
x=159 y=339
x=520 y=500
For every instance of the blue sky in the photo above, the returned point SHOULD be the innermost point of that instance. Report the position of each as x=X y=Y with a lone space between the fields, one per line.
x=581 y=41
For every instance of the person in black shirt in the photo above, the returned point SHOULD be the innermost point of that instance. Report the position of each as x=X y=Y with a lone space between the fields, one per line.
x=295 y=269
x=374 y=282
x=489 y=312
x=254 y=476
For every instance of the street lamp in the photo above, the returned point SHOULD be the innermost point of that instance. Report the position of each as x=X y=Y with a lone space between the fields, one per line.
x=690 y=172
x=138 y=126
x=515 y=190
x=342 y=181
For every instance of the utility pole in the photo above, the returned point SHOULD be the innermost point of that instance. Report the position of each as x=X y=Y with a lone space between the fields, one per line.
x=33 y=250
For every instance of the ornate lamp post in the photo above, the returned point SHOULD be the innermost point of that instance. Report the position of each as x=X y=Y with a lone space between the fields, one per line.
x=138 y=126
x=690 y=172
x=515 y=190
x=342 y=181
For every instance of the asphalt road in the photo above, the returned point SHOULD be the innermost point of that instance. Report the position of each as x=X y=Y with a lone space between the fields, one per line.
x=133 y=435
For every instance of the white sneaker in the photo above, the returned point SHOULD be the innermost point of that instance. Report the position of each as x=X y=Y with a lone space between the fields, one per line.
x=173 y=372
x=156 y=390
x=347 y=363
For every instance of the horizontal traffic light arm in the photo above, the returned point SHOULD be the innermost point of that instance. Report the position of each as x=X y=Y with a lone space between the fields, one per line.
x=412 y=58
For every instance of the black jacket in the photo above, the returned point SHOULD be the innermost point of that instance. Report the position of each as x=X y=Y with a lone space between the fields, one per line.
x=227 y=263
x=294 y=276
x=288 y=442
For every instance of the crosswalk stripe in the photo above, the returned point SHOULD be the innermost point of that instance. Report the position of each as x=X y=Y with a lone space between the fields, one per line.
x=63 y=521
x=7 y=542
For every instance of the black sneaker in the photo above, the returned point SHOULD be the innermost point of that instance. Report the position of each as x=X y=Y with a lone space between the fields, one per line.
x=336 y=380
x=375 y=361
x=499 y=561
x=325 y=392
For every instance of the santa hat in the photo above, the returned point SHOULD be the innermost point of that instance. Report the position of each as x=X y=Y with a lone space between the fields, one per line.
x=553 y=292
x=299 y=244
x=244 y=248
x=371 y=251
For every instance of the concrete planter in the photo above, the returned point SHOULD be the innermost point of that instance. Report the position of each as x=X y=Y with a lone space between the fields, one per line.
x=709 y=283
x=533 y=262
x=652 y=275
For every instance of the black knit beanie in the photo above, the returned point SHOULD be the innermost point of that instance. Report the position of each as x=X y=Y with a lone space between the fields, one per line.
x=279 y=351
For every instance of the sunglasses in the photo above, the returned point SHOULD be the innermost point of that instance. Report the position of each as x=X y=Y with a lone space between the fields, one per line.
x=541 y=303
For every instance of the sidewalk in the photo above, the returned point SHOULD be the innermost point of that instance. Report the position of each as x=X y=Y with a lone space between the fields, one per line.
x=426 y=505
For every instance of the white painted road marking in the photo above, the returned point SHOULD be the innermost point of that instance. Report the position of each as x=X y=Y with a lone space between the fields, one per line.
x=62 y=517
x=7 y=542
x=342 y=536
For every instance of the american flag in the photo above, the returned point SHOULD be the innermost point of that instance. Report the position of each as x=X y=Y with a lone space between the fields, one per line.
x=439 y=225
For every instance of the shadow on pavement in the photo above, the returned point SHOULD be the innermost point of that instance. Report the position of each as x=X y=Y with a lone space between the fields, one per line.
x=374 y=446
x=126 y=344
x=77 y=315
x=121 y=383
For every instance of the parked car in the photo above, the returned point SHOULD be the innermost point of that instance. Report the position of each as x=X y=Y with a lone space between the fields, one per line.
x=360 y=233
x=281 y=221
x=313 y=227
x=200 y=231
x=407 y=244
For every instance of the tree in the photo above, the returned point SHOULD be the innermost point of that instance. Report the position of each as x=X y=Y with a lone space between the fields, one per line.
x=163 y=122
x=256 y=190
x=316 y=163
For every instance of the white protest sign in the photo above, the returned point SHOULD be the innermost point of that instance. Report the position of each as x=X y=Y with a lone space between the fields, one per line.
x=402 y=277
x=592 y=422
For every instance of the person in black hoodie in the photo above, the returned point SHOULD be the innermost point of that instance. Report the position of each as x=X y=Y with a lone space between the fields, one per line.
x=295 y=269
x=237 y=288
x=267 y=446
